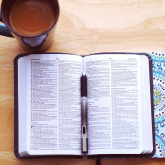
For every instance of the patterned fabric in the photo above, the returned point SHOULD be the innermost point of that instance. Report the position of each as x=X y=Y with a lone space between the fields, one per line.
x=159 y=101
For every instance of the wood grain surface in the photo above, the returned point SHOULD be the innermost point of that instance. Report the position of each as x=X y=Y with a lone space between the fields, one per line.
x=84 y=27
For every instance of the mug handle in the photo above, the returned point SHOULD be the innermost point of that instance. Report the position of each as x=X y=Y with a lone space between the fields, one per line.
x=3 y=29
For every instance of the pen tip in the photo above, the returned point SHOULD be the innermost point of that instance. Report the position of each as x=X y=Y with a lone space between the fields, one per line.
x=83 y=73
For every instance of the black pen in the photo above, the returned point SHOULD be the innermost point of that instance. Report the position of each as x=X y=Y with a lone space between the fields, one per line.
x=84 y=115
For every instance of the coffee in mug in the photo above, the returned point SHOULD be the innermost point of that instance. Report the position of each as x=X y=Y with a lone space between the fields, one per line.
x=31 y=22
x=31 y=17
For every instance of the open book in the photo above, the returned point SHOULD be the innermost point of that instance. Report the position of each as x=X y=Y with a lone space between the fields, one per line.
x=48 y=105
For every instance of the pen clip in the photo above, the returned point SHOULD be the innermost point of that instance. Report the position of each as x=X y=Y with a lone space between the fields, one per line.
x=84 y=148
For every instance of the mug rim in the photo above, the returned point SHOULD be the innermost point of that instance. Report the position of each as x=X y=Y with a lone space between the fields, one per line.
x=32 y=36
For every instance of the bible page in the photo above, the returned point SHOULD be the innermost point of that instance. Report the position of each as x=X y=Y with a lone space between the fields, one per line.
x=114 y=104
x=54 y=109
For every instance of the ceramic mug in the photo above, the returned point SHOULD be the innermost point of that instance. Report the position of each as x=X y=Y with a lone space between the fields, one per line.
x=32 y=43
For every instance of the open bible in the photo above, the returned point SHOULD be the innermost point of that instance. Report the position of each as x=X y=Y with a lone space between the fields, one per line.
x=119 y=105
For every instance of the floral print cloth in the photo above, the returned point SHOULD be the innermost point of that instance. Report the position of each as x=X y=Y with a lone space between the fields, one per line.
x=159 y=101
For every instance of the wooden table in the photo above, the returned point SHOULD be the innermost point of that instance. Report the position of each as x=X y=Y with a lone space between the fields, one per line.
x=84 y=27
